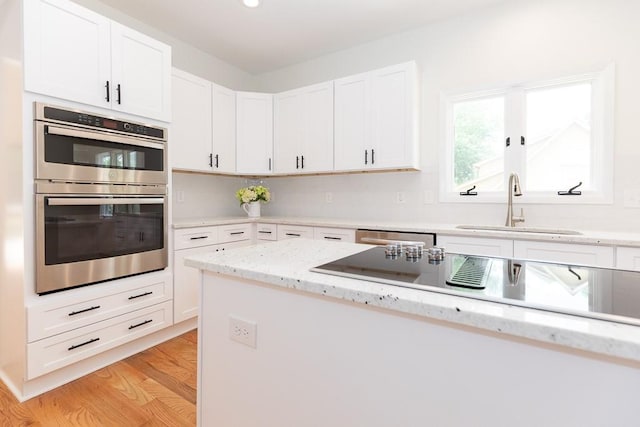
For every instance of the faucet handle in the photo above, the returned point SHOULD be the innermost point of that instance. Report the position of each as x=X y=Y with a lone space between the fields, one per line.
x=520 y=218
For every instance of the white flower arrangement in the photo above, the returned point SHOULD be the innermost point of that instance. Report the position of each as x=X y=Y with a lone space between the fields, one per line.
x=253 y=193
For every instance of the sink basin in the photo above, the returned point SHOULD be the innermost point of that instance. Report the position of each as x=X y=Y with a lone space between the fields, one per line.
x=519 y=229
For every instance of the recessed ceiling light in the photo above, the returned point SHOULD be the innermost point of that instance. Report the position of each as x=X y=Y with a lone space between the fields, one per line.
x=251 y=3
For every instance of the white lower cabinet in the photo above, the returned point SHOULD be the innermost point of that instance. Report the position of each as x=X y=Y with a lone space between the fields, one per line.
x=476 y=245
x=566 y=253
x=266 y=232
x=64 y=349
x=66 y=327
x=334 y=234
x=294 y=231
x=628 y=258
x=193 y=241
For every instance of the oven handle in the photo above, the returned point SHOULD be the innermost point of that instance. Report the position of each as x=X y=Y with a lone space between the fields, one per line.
x=103 y=201
x=100 y=136
x=375 y=241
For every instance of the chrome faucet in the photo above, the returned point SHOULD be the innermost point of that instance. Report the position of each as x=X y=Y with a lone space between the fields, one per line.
x=514 y=190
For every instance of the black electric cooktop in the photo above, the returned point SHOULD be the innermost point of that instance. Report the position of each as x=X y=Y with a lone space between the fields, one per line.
x=599 y=293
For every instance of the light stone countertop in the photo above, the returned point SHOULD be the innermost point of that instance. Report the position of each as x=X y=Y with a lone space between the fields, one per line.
x=604 y=238
x=286 y=264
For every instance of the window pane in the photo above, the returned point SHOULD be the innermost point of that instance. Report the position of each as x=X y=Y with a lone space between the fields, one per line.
x=478 y=144
x=558 y=123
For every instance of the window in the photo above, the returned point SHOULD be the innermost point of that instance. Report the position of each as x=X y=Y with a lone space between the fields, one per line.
x=555 y=135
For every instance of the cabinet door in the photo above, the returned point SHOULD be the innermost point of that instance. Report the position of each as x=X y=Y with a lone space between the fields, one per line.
x=352 y=122
x=185 y=284
x=393 y=101
x=141 y=74
x=254 y=132
x=476 y=245
x=224 y=129
x=287 y=131
x=190 y=134
x=565 y=253
x=316 y=153
x=66 y=51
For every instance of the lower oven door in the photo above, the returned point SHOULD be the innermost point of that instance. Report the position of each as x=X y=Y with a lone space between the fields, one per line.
x=83 y=239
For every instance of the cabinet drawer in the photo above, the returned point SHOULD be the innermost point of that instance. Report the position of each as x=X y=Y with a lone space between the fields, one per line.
x=267 y=232
x=195 y=237
x=565 y=253
x=294 y=231
x=61 y=350
x=628 y=258
x=52 y=319
x=476 y=245
x=234 y=232
x=334 y=234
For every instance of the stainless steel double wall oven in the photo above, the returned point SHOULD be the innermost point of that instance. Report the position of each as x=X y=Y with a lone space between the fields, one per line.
x=101 y=198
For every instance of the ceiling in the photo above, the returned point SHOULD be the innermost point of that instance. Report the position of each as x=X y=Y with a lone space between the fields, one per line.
x=280 y=33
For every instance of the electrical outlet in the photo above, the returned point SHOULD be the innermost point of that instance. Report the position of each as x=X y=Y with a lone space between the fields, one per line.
x=328 y=197
x=180 y=196
x=401 y=197
x=243 y=331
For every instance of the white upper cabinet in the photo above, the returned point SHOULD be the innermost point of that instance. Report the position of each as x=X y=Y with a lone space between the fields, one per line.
x=140 y=74
x=303 y=130
x=224 y=129
x=203 y=126
x=73 y=53
x=190 y=132
x=67 y=51
x=254 y=133
x=376 y=119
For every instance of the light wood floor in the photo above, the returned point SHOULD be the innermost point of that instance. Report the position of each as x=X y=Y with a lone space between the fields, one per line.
x=154 y=388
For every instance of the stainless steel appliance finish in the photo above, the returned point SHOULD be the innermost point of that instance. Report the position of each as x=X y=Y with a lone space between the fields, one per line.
x=605 y=294
x=101 y=198
x=87 y=233
x=379 y=237
x=75 y=146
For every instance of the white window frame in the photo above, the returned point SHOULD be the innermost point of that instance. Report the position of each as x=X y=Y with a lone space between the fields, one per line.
x=602 y=131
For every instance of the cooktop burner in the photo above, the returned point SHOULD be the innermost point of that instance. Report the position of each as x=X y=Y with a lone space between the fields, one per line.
x=599 y=293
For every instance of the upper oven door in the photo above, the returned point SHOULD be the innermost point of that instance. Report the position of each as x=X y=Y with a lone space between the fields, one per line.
x=68 y=153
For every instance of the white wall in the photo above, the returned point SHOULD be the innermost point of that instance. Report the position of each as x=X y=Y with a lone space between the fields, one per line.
x=205 y=196
x=516 y=41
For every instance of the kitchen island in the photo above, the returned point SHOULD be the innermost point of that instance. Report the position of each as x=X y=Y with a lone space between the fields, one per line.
x=325 y=350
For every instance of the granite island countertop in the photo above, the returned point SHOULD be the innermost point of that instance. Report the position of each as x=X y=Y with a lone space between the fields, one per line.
x=286 y=264
x=589 y=237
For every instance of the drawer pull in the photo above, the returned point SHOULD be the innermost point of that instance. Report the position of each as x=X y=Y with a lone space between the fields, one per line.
x=292 y=234
x=73 y=347
x=235 y=233
x=141 y=295
x=95 y=307
x=332 y=238
x=198 y=238
x=140 y=324
x=264 y=232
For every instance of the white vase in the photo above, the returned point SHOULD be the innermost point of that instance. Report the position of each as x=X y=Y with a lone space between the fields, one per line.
x=252 y=209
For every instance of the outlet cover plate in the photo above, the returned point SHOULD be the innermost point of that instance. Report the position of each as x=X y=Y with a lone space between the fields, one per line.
x=243 y=331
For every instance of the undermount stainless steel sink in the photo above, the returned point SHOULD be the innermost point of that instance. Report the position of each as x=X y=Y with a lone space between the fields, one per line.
x=518 y=229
